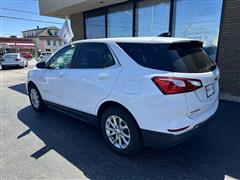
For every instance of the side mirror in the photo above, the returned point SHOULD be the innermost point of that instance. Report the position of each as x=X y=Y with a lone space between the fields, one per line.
x=41 y=65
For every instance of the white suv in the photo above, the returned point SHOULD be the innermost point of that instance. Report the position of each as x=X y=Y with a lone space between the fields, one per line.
x=155 y=91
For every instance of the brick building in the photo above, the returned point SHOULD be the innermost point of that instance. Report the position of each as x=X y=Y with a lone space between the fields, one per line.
x=215 y=22
x=229 y=50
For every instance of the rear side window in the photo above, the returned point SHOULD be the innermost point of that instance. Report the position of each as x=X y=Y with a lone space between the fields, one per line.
x=178 y=58
x=94 y=55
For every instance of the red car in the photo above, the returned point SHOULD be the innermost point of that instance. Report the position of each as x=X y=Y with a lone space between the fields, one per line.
x=27 y=55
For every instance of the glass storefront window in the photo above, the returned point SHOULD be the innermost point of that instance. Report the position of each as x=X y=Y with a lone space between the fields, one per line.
x=95 y=25
x=152 y=17
x=198 y=20
x=120 y=21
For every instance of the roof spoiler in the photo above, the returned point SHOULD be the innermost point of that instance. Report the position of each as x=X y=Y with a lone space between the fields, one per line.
x=186 y=45
x=165 y=34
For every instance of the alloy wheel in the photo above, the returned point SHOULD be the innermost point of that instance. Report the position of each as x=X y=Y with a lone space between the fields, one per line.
x=34 y=98
x=117 y=132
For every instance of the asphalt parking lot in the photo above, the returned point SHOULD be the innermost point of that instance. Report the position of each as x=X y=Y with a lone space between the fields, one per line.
x=54 y=146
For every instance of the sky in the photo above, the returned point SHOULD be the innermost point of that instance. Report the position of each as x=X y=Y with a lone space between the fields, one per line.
x=14 y=26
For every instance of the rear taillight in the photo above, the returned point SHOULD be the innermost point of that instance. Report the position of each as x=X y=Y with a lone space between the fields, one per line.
x=18 y=59
x=174 y=85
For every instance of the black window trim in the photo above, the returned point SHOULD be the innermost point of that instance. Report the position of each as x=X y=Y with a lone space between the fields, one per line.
x=74 y=63
x=117 y=62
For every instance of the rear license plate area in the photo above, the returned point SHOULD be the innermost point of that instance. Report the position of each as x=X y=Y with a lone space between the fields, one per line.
x=209 y=90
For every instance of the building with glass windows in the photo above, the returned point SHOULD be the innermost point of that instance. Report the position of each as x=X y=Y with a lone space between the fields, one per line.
x=215 y=22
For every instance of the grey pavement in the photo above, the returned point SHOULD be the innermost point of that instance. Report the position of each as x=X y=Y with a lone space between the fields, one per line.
x=52 y=145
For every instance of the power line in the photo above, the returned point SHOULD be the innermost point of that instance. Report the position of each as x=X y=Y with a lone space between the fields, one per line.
x=25 y=19
x=17 y=10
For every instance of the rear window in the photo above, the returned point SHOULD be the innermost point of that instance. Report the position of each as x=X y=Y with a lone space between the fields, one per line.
x=11 y=56
x=178 y=57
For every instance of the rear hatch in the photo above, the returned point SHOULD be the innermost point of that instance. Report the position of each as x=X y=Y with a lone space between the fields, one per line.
x=185 y=60
x=190 y=61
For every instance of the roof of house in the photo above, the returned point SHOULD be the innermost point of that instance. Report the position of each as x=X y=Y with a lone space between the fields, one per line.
x=50 y=27
x=44 y=32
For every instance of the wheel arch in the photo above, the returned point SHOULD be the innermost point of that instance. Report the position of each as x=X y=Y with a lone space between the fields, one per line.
x=31 y=83
x=104 y=106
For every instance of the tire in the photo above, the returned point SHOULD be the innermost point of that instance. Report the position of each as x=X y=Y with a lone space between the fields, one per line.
x=126 y=128
x=36 y=99
x=3 y=67
x=26 y=64
x=21 y=67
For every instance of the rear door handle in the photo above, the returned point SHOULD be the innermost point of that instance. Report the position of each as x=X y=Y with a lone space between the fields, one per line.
x=103 y=76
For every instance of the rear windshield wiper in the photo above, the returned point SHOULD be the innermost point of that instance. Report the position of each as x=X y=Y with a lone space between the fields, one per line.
x=212 y=67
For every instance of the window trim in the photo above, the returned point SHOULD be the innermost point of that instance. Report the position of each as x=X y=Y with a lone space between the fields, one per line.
x=74 y=64
x=170 y=24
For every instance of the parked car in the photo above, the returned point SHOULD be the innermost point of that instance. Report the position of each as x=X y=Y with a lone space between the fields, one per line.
x=13 y=59
x=1 y=56
x=45 y=56
x=27 y=55
x=154 y=91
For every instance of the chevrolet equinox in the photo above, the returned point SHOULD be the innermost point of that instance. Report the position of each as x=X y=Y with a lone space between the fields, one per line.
x=155 y=91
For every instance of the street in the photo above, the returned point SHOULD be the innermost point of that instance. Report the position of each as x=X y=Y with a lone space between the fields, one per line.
x=55 y=146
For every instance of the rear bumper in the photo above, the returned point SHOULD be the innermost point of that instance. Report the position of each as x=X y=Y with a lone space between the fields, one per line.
x=12 y=64
x=157 y=139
